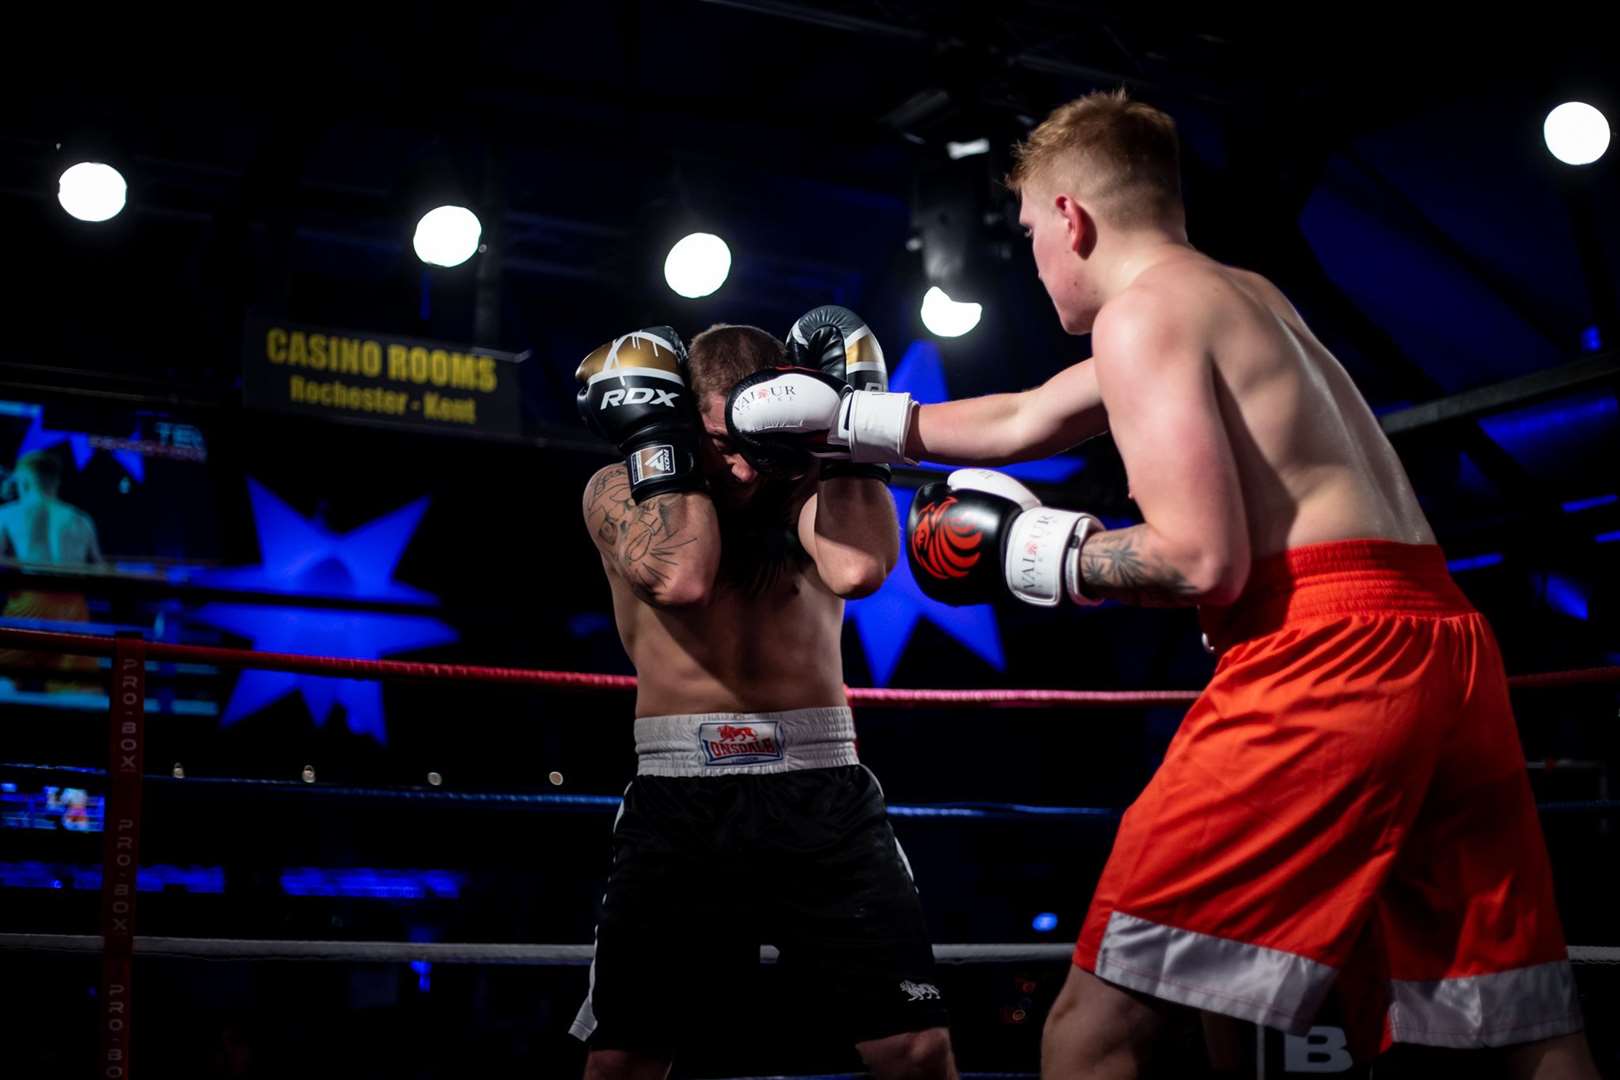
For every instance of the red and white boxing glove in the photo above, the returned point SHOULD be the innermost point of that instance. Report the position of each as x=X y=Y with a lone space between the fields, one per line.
x=977 y=532
x=830 y=403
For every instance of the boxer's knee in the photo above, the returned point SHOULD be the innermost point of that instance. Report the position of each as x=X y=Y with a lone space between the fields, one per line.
x=1098 y=1031
x=912 y=1055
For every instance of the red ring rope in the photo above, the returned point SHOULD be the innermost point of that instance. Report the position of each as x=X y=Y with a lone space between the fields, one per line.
x=96 y=645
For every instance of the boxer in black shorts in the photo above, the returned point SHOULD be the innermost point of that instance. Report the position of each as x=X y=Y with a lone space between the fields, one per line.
x=750 y=820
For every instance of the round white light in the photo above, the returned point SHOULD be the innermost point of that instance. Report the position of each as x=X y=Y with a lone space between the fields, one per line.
x=1576 y=133
x=945 y=317
x=447 y=236
x=91 y=191
x=697 y=265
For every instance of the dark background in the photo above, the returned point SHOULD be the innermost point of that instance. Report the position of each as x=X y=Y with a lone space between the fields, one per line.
x=1388 y=175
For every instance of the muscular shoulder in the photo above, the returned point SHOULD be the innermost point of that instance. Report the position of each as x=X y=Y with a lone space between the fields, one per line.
x=1177 y=307
x=607 y=504
x=1152 y=319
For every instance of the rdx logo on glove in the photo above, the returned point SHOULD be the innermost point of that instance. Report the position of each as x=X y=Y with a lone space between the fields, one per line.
x=638 y=395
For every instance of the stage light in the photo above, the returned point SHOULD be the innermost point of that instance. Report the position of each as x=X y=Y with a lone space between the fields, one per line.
x=91 y=191
x=697 y=265
x=1576 y=133
x=945 y=317
x=447 y=236
x=1045 y=922
x=956 y=151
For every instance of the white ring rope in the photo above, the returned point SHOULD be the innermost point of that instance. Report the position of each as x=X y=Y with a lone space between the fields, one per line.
x=399 y=952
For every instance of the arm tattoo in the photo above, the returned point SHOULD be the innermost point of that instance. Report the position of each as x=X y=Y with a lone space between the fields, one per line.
x=1113 y=563
x=610 y=504
x=643 y=538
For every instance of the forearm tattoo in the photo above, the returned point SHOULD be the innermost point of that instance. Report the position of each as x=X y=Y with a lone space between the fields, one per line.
x=1118 y=564
x=645 y=539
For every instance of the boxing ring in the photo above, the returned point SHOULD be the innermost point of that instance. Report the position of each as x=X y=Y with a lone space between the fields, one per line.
x=125 y=778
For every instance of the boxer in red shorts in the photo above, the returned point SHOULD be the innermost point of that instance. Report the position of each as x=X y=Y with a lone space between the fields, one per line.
x=1348 y=797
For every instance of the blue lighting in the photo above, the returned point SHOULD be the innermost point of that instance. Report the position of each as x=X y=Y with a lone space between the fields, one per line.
x=1608 y=537
x=304 y=558
x=1592 y=339
x=1477 y=562
x=588 y=623
x=361 y=635
x=148 y=879
x=40 y=437
x=885 y=619
x=371 y=884
x=1045 y=922
x=921 y=373
x=423 y=971
x=1520 y=429
x=1577 y=505
x=1566 y=597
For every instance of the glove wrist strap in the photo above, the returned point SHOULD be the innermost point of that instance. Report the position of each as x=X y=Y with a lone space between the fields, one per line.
x=668 y=464
x=874 y=425
x=1073 y=580
x=1037 y=548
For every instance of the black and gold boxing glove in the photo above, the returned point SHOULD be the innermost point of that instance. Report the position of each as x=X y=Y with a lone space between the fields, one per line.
x=633 y=392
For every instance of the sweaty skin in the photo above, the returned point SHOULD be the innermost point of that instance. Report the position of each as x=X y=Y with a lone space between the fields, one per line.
x=701 y=643
x=1242 y=436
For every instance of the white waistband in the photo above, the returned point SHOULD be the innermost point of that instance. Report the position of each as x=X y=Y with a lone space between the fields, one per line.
x=709 y=744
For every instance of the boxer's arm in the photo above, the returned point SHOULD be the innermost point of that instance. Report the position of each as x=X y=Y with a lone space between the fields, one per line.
x=667 y=548
x=999 y=428
x=851 y=532
x=1158 y=380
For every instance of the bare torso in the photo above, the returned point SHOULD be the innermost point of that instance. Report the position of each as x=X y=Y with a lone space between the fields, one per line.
x=47 y=531
x=740 y=651
x=1313 y=463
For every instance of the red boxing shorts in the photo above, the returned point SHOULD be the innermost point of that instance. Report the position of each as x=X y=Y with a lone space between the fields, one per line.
x=1349 y=791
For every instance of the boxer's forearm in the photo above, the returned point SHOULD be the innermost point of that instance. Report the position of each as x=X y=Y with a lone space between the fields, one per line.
x=851 y=532
x=1137 y=566
x=973 y=431
x=667 y=549
x=1000 y=428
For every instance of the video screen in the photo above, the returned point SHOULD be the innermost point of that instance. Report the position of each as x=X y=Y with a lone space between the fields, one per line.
x=100 y=489
x=93 y=492
x=51 y=808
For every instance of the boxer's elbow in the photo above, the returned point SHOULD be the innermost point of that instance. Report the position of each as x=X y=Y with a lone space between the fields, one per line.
x=682 y=590
x=1216 y=577
x=680 y=594
x=682 y=585
x=854 y=574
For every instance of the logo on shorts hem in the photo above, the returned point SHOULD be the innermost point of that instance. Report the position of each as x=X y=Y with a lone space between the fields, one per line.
x=753 y=743
x=919 y=991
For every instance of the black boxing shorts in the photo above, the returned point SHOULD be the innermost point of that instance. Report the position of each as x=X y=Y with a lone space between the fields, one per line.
x=743 y=830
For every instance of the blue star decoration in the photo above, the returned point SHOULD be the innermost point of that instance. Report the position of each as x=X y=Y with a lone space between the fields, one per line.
x=40 y=437
x=301 y=557
x=884 y=621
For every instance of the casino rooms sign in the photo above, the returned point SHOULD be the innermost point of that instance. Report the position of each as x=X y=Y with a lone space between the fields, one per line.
x=380 y=379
